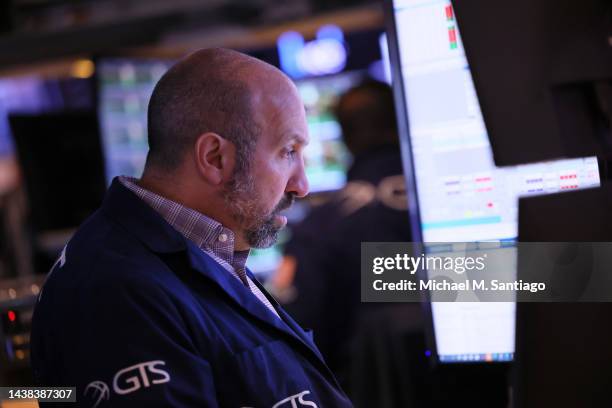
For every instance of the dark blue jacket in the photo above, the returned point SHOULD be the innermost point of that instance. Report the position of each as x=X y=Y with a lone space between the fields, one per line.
x=135 y=315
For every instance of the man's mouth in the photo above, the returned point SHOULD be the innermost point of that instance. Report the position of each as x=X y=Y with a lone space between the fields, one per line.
x=285 y=203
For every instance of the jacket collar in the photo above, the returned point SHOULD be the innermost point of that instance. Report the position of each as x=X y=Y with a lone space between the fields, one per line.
x=139 y=219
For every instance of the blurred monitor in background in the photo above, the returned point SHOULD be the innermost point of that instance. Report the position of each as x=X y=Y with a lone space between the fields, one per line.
x=318 y=280
x=30 y=96
x=325 y=157
x=124 y=89
x=15 y=95
x=33 y=94
x=63 y=171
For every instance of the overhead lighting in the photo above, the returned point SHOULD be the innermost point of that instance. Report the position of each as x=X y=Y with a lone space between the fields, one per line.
x=326 y=54
x=83 y=68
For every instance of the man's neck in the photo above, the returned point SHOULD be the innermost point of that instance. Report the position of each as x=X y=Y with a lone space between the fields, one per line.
x=183 y=195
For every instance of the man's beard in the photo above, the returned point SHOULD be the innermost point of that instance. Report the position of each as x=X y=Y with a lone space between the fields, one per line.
x=258 y=225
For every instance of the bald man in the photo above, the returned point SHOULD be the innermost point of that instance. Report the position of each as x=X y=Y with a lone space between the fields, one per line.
x=150 y=303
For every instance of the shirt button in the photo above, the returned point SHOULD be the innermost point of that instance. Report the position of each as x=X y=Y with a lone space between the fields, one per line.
x=222 y=237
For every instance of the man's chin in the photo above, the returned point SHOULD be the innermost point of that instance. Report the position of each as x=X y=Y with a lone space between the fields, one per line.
x=264 y=243
x=265 y=236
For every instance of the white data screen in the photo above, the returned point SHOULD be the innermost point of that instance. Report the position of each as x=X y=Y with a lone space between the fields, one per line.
x=462 y=196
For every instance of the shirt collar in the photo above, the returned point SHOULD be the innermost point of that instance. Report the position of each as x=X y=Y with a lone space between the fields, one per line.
x=207 y=233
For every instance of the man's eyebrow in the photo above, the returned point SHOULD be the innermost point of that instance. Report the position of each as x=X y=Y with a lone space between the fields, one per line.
x=296 y=137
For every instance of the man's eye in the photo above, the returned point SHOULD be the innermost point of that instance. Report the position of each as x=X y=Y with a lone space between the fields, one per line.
x=290 y=153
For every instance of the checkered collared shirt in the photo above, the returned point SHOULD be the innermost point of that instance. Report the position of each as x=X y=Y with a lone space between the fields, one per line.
x=209 y=235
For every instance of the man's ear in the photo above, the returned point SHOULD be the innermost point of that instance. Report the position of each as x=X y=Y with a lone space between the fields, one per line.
x=215 y=158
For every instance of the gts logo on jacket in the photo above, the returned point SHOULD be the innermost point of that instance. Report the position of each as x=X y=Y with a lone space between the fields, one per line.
x=128 y=380
x=294 y=401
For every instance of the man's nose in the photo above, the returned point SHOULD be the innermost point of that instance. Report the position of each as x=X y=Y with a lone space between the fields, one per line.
x=298 y=184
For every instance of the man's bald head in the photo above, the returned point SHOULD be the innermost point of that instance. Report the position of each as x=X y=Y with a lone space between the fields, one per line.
x=226 y=138
x=212 y=90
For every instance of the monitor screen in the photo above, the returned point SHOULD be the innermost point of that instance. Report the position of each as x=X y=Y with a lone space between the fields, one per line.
x=124 y=89
x=461 y=195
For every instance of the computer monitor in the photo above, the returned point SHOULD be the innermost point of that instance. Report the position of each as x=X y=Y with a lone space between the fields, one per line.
x=124 y=89
x=456 y=194
x=23 y=94
x=543 y=72
x=61 y=161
